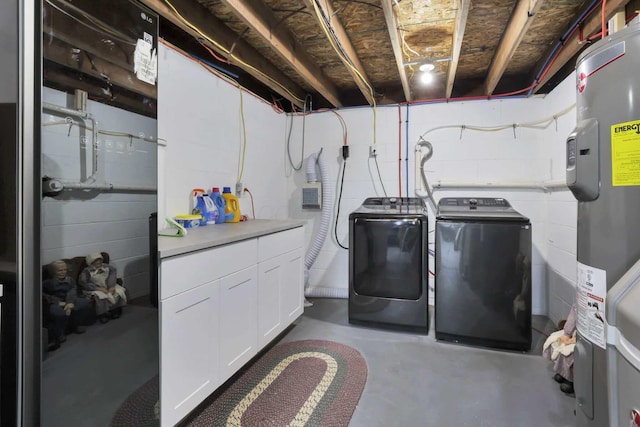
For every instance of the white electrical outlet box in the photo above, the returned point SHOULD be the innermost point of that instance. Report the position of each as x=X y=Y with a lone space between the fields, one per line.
x=312 y=195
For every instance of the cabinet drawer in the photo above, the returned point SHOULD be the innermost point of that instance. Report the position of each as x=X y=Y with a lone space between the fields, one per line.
x=184 y=272
x=275 y=244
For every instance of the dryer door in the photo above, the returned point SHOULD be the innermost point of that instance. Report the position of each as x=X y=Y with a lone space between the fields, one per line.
x=388 y=257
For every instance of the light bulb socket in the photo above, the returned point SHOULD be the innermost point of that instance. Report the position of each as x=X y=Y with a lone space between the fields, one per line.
x=427 y=67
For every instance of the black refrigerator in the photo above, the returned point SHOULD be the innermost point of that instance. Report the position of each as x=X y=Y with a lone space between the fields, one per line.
x=19 y=213
x=38 y=87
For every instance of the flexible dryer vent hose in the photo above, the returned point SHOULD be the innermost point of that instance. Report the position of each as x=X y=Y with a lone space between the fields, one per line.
x=327 y=209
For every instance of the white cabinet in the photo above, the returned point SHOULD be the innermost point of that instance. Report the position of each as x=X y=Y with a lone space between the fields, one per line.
x=189 y=343
x=280 y=284
x=269 y=308
x=220 y=306
x=292 y=294
x=238 y=320
x=280 y=296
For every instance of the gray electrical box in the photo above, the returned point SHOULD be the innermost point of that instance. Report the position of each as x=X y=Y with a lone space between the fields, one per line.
x=312 y=195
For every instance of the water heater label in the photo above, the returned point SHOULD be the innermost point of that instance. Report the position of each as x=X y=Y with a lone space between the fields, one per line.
x=591 y=294
x=625 y=154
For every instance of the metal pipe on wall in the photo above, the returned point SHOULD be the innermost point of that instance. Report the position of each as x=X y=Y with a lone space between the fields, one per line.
x=107 y=187
x=82 y=115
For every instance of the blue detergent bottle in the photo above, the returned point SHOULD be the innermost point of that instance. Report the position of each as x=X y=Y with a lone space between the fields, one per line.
x=204 y=206
x=220 y=203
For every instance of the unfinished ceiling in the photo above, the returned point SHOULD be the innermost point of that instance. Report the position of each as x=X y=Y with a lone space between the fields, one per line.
x=364 y=52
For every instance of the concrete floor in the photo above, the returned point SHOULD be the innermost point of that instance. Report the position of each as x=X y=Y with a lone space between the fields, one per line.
x=87 y=379
x=414 y=380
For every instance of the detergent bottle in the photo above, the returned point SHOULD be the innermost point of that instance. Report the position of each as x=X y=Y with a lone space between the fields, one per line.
x=232 y=210
x=204 y=206
x=220 y=203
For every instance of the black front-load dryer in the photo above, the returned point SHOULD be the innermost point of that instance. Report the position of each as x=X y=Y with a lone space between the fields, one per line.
x=388 y=264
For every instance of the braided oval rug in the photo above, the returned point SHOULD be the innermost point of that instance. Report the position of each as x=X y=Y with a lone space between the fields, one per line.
x=301 y=383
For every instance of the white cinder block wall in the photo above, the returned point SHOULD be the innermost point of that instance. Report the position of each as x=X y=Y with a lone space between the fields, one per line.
x=80 y=222
x=199 y=117
x=562 y=213
x=535 y=155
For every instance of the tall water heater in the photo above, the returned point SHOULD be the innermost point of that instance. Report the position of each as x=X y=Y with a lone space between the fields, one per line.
x=603 y=172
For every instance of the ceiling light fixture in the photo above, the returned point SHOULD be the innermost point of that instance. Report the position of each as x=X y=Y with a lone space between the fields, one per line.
x=426 y=67
x=426 y=77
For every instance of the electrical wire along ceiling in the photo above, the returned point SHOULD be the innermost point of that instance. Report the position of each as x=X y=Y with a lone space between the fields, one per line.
x=356 y=52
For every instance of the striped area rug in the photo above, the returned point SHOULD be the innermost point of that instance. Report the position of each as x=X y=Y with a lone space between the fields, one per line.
x=301 y=383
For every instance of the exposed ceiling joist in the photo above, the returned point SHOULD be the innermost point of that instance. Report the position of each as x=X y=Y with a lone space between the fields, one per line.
x=458 y=36
x=63 y=54
x=523 y=15
x=261 y=69
x=349 y=57
x=483 y=40
x=64 y=28
x=262 y=20
x=396 y=41
x=63 y=80
x=574 y=44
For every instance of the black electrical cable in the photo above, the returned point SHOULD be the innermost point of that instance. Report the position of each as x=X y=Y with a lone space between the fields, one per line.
x=375 y=158
x=335 y=224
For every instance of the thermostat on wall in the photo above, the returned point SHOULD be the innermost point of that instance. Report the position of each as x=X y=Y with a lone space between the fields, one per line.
x=312 y=195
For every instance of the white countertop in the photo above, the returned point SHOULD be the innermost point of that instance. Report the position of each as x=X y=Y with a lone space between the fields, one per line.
x=210 y=236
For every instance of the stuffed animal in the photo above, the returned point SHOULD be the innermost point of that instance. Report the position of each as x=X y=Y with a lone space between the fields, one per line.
x=559 y=348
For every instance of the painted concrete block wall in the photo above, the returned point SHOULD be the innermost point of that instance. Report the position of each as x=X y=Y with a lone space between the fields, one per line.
x=562 y=212
x=459 y=155
x=199 y=118
x=80 y=222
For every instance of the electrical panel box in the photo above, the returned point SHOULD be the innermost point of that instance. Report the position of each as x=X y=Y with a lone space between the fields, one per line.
x=312 y=195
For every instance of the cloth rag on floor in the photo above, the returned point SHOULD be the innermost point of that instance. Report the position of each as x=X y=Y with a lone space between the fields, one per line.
x=560 y=345
x=557 y=347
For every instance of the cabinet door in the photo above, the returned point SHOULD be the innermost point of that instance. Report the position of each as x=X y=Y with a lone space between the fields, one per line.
x=238 y=320
x=189 y=358
x=280 y=294
x=270 y=282
x=292 y=288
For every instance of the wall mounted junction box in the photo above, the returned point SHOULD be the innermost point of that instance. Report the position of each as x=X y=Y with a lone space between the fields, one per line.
x=312 y=195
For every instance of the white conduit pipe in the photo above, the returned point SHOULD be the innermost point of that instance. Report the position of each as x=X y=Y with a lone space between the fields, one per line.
x=425 y=158
x=325 y=219
x=525 y=185
x=81 y=115
x=106 y=186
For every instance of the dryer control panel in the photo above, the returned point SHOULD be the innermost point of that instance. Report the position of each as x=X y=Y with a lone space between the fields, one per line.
x=472 y=202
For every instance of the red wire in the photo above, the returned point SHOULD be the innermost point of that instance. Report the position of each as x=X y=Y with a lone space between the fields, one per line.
x=432 y=273
x=400 y=151
x=276 y=105
x=226 y=61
